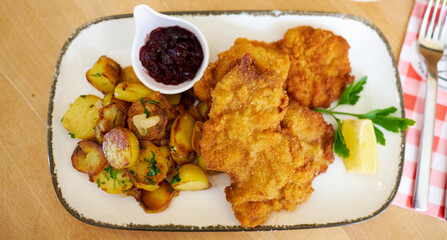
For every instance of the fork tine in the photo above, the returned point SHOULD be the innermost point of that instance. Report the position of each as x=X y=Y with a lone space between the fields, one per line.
x=443 y=25
x=440 y=27
x=424 y=23
x=432 y=20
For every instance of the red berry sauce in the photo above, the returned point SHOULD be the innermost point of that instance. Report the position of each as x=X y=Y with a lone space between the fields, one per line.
x=171 y=55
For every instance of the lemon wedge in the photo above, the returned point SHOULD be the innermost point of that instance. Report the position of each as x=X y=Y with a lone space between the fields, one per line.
x=362 y=144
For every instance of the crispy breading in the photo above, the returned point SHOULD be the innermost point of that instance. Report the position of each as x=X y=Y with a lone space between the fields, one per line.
x=248 y=99
x=320 y=69
x=270 y=168
x=313 y=145
x=265 y=55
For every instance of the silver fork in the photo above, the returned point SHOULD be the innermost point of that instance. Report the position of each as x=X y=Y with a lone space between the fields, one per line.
x=431 y=48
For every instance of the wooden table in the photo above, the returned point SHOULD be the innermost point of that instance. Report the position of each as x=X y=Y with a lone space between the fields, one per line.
x=31 y=36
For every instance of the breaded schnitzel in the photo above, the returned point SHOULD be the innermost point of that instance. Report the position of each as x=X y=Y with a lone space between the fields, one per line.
x=270 y=168
x=320 y=69
x=266 y=55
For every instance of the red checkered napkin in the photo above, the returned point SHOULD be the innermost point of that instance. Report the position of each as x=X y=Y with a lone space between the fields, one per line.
x=412 y=71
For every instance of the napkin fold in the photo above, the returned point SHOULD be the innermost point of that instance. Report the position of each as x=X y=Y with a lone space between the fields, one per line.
x=413 y=71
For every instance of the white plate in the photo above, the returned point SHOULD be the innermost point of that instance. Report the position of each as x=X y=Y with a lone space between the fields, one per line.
x=339 y=197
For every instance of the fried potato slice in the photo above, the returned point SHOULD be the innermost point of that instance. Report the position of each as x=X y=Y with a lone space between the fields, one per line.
x=196 y=136
x=121 y=147
x=110 y=116
x=180 y=141
x=150 y=168
x=130 y=91
x=190 y=177
x=128 y=75
x=147 y=118
x=104 y=74
x=88 y=157
x=113 y=181
x=171 y=163
x=159 y=199
x=81 y=117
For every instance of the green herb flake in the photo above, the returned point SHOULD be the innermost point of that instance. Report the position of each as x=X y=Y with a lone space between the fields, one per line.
x=90 y=106
x=72 y=135
x=148 y=114
x=153 y=169
x=96 y=75
x=98 y=183
x=113 y=175
x=83 y=96
x=176 y=178
x=154 y=102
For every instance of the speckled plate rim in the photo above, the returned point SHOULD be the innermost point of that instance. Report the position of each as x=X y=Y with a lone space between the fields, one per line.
x=217 y=228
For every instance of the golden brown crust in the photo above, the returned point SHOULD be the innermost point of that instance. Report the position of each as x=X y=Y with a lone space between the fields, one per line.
x=271 y=150
x=320 y=69
x=265 y=55
x=155 y=109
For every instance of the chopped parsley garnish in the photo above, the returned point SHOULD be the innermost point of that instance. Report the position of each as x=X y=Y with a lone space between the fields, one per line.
x=154 y=170
x=97 y=182
x=113 y=175
x=379 y=117
x=154 y=102
x=148 y=114
x=132 y=172
x=83 y=96
x=90 y=106
x=176 y=178
x=96 y=75
x=72 y=135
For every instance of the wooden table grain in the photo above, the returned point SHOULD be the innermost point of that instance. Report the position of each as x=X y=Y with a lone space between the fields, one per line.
x=32 y=34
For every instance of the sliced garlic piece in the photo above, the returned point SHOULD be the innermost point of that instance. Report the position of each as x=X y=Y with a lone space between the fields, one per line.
x=142 y=123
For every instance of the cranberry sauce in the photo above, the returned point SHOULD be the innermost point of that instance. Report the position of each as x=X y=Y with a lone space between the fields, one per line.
x=171 y=55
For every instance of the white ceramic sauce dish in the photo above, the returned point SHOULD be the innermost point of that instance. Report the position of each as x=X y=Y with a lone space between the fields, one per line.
x=146 y=20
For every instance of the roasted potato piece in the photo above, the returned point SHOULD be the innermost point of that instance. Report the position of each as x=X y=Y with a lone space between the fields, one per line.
x=81 y=117
x=190 y=177
x=202 y=165
x=104 y=74
x=88 y=157
x=203 y=108
x=180 y=141
x=158 y=97
x=173 y=99
x=131 y=92
x=110 y=116
x=128 y=75
x=196 y=136
x=109 y=98
x=147 y=119
x=171 y=163
x=159 y=199
x=150 y=168
x=121 y=147
x=195 y=113
x=114 y=181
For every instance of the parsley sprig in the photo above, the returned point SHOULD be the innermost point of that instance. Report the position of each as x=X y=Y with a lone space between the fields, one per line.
x=379 y=117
